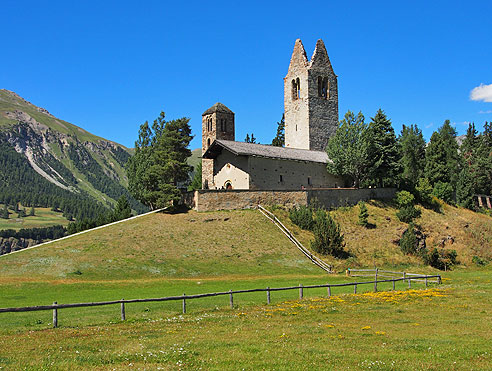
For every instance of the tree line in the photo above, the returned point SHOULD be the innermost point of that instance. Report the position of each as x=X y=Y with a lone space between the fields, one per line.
x=372 y=155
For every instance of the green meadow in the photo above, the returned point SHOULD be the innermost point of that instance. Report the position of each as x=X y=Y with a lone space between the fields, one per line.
x=444 y=326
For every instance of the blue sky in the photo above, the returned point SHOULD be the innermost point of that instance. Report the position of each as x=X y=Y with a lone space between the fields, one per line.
x=108 y=66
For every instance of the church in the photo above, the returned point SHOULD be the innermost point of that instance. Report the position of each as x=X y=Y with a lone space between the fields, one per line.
x=311 y=117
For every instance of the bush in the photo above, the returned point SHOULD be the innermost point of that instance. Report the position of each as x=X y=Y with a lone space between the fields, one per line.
x=408 y=242
x=424 y=192
x=443 y=191
x=408 y=214
x=479 y=261
x=328 y=239
x=405 y=199
x=363 y=214
x=302 y=216
x=441 y=259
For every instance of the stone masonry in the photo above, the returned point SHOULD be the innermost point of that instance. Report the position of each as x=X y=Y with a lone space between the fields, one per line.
x=217 y=123
x=310 y=99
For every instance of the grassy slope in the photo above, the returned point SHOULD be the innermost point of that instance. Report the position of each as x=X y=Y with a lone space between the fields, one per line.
x=163 y=245
x=472 y=234
x=44 y=217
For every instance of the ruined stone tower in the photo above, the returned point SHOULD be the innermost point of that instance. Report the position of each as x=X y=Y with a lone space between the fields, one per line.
x=217 y=123
x=310 y=99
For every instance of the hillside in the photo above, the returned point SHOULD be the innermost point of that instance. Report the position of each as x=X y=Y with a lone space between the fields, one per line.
x=241 y=242
x=162 y=245
x=46 y=160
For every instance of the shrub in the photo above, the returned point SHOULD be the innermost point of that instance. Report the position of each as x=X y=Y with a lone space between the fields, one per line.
x=408 y=214
x=405 y=199
x=328 y=239
x=424 y=192
x=479 y=261
x=441 y=259
x=443 y=191
x=302 y=216
x=408 y=242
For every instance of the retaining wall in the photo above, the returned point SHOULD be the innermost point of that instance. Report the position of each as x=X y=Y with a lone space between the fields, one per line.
x=207 y=200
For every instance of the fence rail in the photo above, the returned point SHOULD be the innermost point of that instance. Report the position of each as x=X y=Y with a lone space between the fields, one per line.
x=314 y=259
x=55 y=306
x=391 y=274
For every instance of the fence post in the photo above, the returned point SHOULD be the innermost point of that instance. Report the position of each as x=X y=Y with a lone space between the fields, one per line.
x=231 y=300
x=123 y=316
x=55 y=316
x=393 y=285
x=268 y=295
x=425 y=280
x=184 y=303
x=355 y=289
x=439 y=280
x=409 y=283
x=301 y=293
x=329 y=291
x=404 y=277
x=376 y=281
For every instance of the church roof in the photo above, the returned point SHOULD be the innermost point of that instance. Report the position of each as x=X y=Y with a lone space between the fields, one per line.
x=261 y=150
x=217 y=107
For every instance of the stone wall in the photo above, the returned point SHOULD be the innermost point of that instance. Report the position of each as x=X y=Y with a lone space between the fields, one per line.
x=207 y=200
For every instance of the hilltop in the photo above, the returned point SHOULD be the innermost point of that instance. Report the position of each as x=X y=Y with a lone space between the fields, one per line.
x=46 y=160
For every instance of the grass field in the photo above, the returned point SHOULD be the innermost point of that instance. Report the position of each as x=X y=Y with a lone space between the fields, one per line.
x=444 y=327
x=44 y=217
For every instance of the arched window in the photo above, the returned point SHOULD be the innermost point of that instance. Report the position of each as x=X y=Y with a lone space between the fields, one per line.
x=298 y=88
x=208 y=142
x=225 y=125
x=294 y=90
x=323 y=86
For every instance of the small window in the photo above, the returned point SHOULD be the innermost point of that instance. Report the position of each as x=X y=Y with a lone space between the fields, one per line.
x=208 y=142
x=281 y=179
x=309 y=180
x=296 y=89
x=323 y=87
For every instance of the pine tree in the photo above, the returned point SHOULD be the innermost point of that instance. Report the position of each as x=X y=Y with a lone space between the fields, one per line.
x=159 y=164
x=279 y=140
x=412 y=154
x=32 y=211
x=464 y=189
x=328 y=239
x=122 y=209
x=4 y=212
x=196 y=183
x=363 y=214
x=382 y=151
x=347 y=149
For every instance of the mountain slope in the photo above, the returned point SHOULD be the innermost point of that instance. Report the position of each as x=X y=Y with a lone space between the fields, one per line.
x=65 y=155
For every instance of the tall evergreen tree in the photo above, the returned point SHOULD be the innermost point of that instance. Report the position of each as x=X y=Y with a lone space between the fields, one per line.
x=159 y=163
x=279 y=140
x=383 y=151
x=122 y=209
x=464 y=189
x=412 y=154
x=348 y=148
x=442 y=158
x=196 y=183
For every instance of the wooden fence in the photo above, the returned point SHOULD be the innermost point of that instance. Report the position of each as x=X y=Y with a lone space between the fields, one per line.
x=379 y=273
x=314 y=259
x=183 y=298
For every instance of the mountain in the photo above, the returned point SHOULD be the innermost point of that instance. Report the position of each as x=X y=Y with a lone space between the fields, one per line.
x=48 y=162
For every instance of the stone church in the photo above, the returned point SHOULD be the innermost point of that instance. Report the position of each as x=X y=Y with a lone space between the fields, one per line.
x=311 y=117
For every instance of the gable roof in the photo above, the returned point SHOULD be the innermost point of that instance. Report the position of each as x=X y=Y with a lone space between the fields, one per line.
x=262 y=150
x=217 y=107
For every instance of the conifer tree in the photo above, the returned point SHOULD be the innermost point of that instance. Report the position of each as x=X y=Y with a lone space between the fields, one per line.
x=279 y=140
x=4 y=212
x=363 y=214
x=196 y=183
x=464 y=189
x=122 y=209
x=32 y=211
x=412 y=154
x=382 y=151
x=159 y=163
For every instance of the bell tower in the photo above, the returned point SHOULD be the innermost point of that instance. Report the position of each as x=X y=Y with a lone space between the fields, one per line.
x=217 y=123
x=310 y=99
